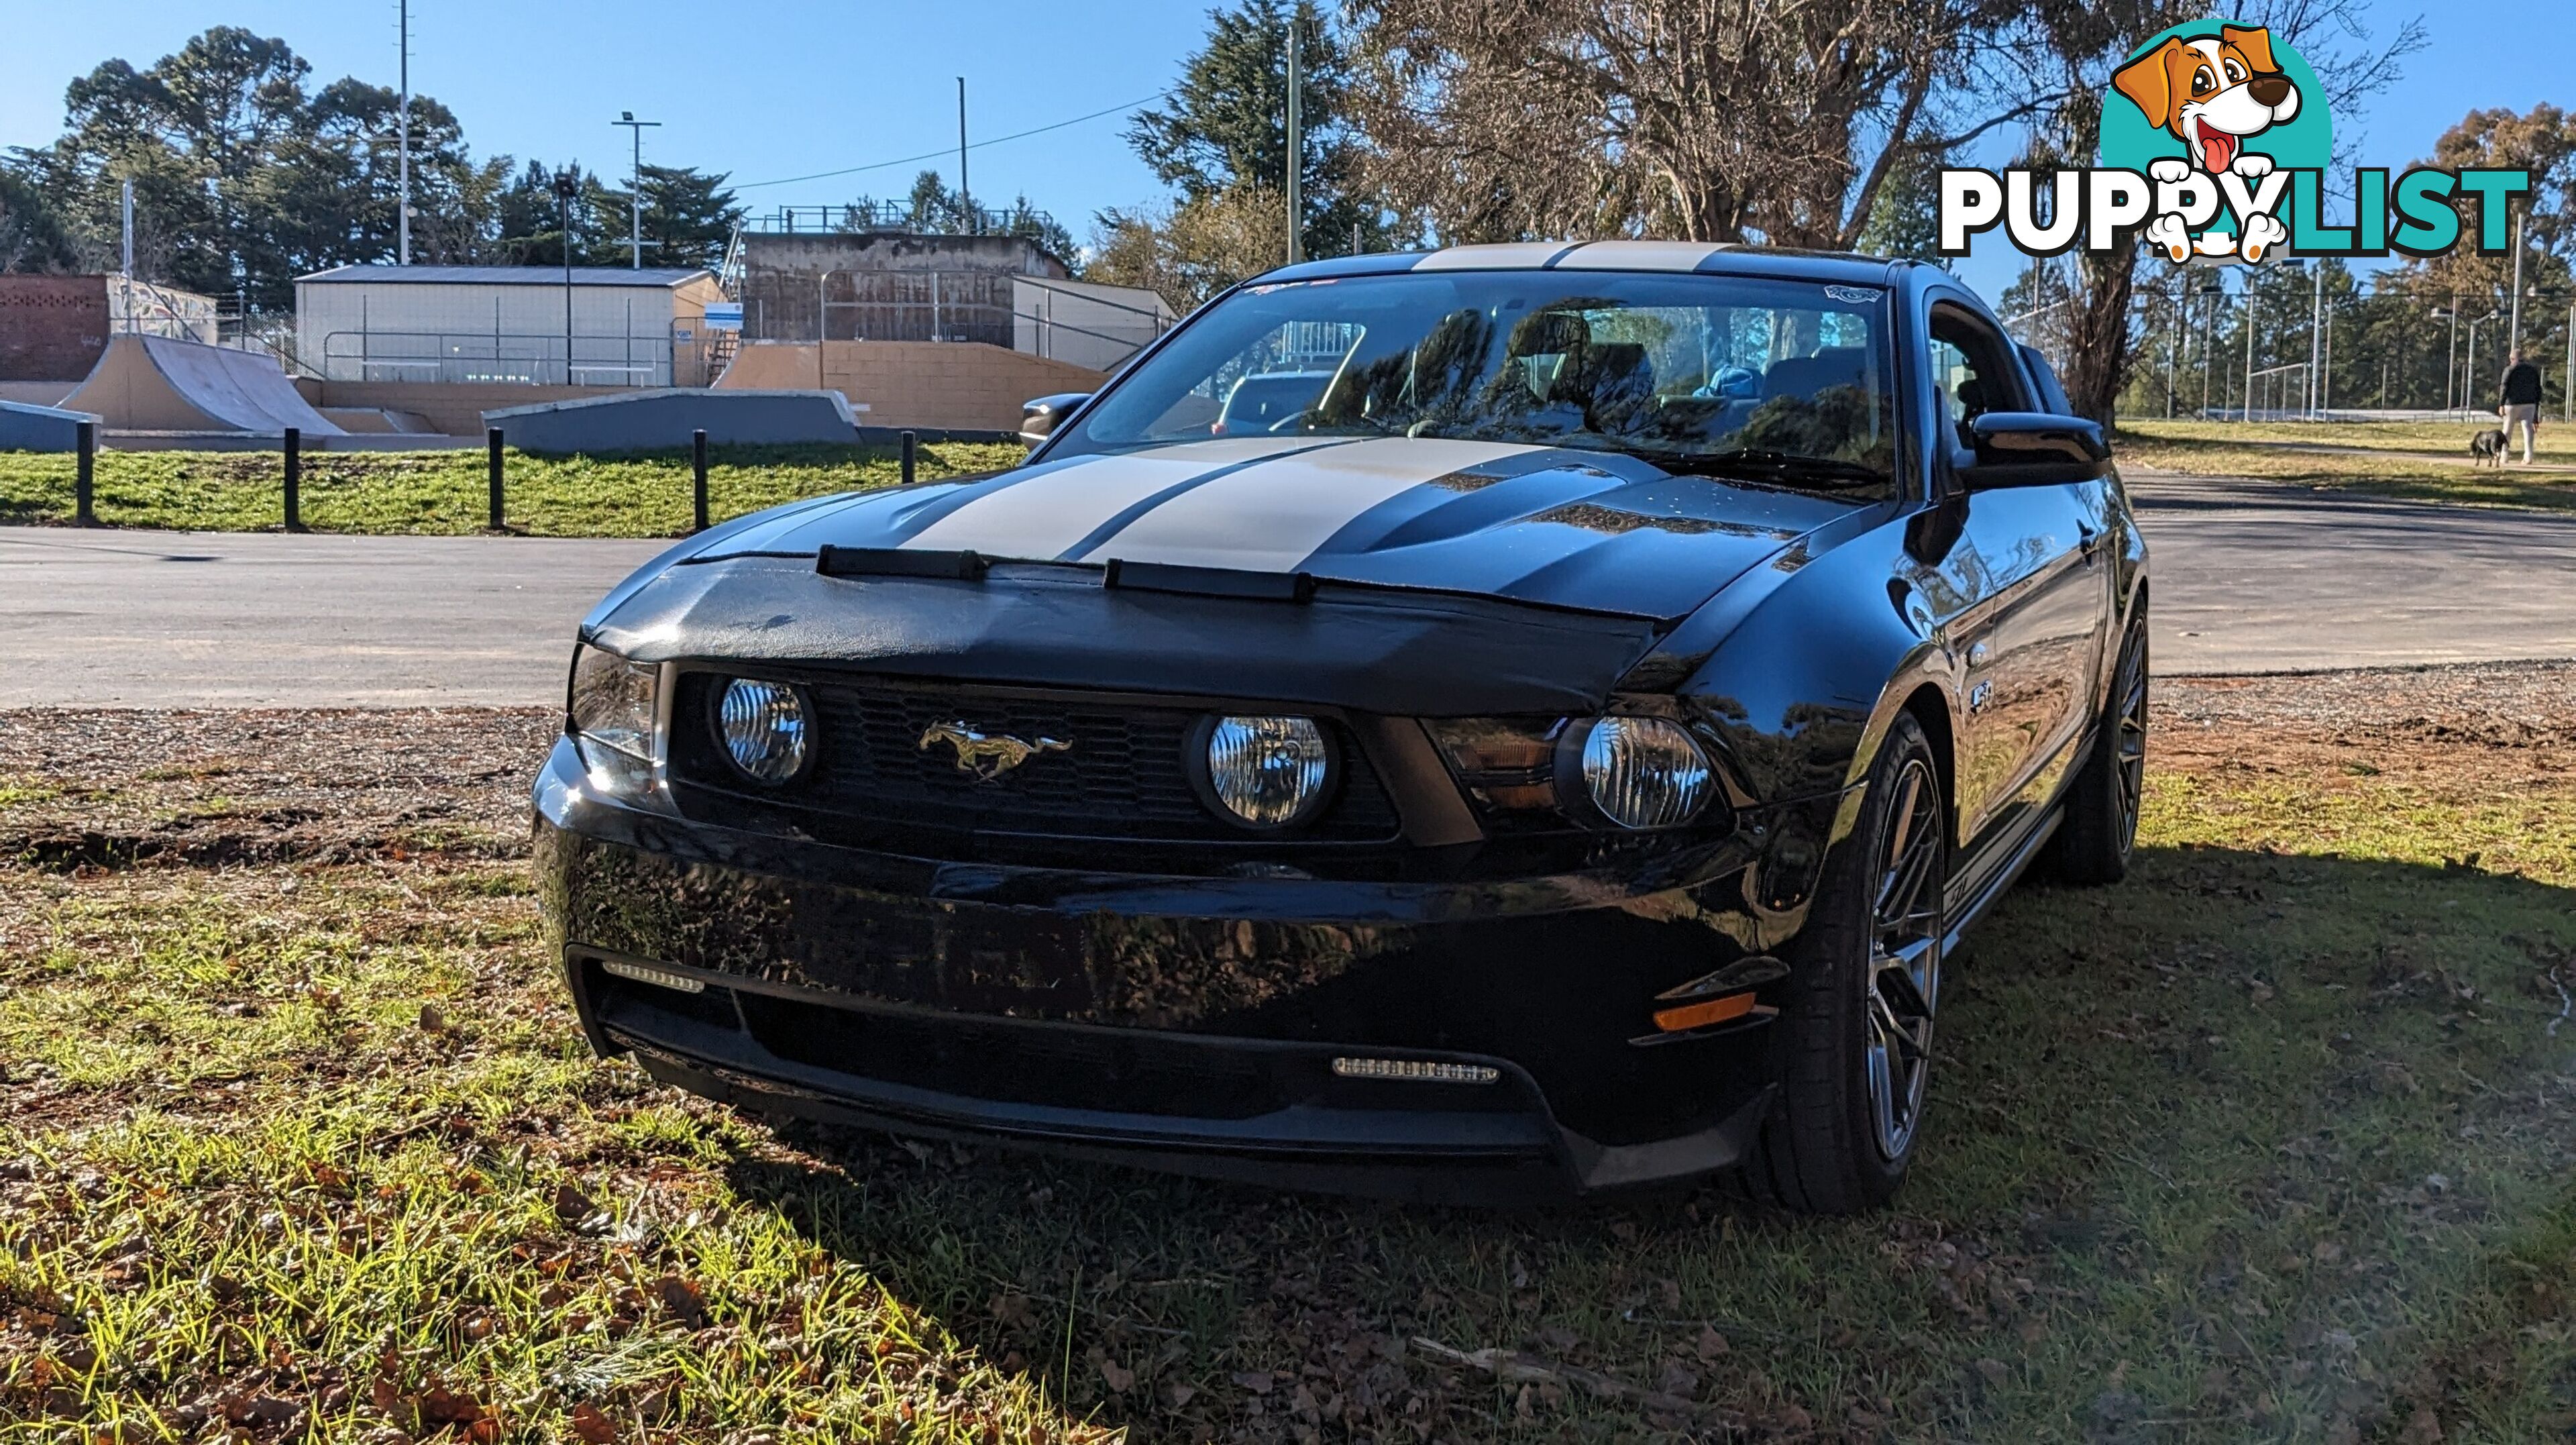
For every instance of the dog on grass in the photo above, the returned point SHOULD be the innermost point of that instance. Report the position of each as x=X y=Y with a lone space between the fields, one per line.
x=2488 y=447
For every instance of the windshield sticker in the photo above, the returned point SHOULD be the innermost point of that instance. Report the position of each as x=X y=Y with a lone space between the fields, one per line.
x=1856 y=295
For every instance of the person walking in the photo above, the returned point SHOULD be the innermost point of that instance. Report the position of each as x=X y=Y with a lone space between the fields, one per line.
x=2521 y=403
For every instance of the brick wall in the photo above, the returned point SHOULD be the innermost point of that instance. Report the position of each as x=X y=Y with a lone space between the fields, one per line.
x=52 y=328
x=960 y=384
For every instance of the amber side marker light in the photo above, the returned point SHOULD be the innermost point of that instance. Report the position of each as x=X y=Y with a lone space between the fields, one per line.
x=1701 y=1015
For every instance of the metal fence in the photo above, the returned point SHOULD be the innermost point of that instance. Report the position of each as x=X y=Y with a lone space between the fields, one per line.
x=899 y=216
x=525 y=358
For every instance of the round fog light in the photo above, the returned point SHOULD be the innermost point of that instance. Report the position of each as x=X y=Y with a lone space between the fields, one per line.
x=1268 y=772
x=1644 y=772
x=764 y=729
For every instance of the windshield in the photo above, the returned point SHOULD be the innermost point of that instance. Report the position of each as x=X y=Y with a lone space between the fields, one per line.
x=1785 y=381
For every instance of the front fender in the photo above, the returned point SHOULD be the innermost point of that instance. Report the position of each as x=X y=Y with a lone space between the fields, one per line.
x=1802 y=667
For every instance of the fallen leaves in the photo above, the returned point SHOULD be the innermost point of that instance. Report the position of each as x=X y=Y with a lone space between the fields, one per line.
x=1118 y=1378
x=1511 y=1367
x=683 y=1300
x=591 y=1424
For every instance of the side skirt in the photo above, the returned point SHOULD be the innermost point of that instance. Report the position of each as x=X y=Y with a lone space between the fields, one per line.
x=1982 y=892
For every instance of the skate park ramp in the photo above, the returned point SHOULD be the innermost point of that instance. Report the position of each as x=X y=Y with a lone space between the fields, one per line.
x=153 y=383
x=665 y=417
x=378 y=421
x=37 y=393
x=25 y=428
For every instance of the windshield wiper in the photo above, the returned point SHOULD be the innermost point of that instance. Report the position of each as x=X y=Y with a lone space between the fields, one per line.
x=1755 y=464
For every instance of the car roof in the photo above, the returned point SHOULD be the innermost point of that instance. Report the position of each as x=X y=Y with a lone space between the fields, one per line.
x=1704 y=257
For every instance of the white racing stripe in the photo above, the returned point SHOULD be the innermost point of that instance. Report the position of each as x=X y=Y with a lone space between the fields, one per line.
x=1271 y=518
x=1507 y=255
x=1639 y=256
x=1040 y=517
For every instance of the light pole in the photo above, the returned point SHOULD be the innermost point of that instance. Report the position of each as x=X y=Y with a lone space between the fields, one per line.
x=1296 y=149
x=2513 y=328
x=965 y=198
x=2247 y=416
x=567 y=186
x=2216 y=291
x=402 y=111
x=2451 y=353
x=2317 y=321
x=2469 y=385
x=636 y=127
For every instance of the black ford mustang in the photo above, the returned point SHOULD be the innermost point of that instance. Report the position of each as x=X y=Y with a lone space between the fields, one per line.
x=1501 y=722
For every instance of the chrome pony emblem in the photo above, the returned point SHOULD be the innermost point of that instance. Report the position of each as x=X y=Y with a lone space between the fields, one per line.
x=987 y=755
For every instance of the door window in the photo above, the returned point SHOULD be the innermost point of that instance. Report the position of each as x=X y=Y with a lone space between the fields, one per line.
x=1972 y=370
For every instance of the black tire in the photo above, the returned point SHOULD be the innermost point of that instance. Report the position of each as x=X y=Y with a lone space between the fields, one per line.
x=1855 y=1027
x=2099 y=828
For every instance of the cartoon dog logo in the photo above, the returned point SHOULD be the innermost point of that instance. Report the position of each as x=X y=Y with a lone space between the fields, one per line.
x=2213 y=94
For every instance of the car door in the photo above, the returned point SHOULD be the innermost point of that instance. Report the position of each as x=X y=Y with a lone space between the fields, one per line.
x=2032 y=640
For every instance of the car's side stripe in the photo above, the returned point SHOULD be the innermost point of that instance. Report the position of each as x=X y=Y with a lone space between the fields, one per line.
x=1266 y=523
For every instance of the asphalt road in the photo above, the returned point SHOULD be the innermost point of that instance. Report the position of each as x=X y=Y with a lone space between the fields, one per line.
x=2249 y=577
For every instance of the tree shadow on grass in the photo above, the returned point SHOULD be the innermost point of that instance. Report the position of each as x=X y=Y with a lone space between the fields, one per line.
x=2222 y=1153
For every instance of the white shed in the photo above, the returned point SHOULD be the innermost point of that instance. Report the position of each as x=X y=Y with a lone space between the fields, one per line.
x=593 y=326
x=1084 y=322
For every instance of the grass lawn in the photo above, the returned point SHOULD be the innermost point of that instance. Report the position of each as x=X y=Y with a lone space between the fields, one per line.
x=2273 y=1142
x=445 y=492
x=2422 y=461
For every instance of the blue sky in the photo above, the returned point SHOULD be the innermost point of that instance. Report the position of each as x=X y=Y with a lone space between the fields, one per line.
x=779 y=88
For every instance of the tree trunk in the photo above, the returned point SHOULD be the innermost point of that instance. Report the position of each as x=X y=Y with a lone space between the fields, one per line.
x=2098 y=343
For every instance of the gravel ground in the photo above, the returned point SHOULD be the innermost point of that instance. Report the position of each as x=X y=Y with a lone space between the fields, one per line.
x=253 y=785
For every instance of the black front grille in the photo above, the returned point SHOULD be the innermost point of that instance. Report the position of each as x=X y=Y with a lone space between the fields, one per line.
x=1111 y=1072
x=1125 y=773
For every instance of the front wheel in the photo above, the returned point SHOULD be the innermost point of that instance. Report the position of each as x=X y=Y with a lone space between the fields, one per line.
x=1856 y=1024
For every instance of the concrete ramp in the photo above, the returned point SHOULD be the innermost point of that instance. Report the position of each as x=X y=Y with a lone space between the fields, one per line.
x=153 y=383
x=25 y=428
x=378 y=420
x=666 y=417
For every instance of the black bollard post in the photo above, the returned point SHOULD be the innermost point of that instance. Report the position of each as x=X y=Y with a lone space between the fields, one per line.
x=492 y=471
x=907 y=458
x=698 y=477
x=294 y=480
x=85 y=473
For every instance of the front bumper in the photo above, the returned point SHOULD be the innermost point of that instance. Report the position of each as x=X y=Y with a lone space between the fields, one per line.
x=1187 y=1023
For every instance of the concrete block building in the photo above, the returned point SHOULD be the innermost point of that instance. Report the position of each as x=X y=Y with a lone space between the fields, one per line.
x=506 y=325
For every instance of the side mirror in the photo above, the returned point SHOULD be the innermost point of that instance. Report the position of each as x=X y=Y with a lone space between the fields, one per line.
x=1039 y=418
x=2033 y=449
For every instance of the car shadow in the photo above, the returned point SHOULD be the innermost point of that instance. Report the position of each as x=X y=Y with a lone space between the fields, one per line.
x=2152 y=1096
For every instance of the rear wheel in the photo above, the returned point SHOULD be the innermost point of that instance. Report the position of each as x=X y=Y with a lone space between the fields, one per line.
x=1856 y=1025
x=2100 y=826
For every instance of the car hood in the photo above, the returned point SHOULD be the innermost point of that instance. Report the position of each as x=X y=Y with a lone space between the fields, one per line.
x=1590 y=531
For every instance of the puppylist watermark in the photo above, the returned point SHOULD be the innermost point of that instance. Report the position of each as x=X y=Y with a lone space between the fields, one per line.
x=2215 y=144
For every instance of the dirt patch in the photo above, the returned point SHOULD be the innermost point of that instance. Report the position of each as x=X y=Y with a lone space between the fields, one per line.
x=113 y=787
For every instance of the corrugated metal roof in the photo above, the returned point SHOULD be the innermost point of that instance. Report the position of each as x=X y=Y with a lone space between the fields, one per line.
x=507 y=275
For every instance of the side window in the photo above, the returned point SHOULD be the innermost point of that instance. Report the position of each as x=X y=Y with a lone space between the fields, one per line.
x=1972 y=369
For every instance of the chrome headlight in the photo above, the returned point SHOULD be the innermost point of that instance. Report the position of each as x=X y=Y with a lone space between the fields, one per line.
x=1268 y=772
x=614 y=705
x=1644 y=772
x=764 y=727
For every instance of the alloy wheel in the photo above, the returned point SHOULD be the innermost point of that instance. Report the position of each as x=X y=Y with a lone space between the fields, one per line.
x=2132 y=758
x=1904 y=977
